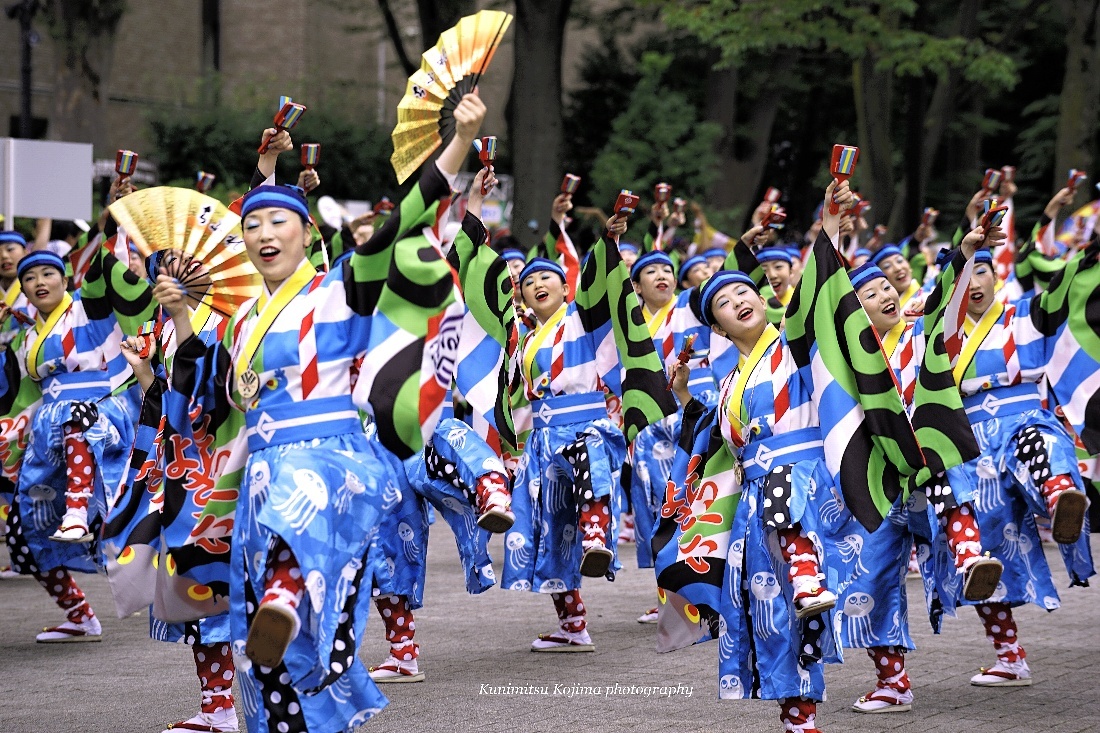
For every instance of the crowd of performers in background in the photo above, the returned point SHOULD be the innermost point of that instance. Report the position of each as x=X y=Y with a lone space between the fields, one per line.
x=785 y=431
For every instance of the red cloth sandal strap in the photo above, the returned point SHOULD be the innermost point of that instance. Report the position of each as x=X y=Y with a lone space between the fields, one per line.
x=62 y=630
x=999 y=673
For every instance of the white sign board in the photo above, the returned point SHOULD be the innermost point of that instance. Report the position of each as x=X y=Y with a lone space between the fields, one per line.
x=40 y=178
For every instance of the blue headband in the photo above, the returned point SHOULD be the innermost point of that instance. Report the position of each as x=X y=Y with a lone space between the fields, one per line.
x=983 y=255
x=513 y=254
x=715 y=252
x=773 y=254
x=39 y=257
x=794 y=252
x=717 y=281
x=628 y=246
x=152 y=264
x=888 y=251
x=12 y=237
x=691 y=262
x=275 y=197
x=541 y=264
x=656 y=257
x=864 y=274
x=863 y=252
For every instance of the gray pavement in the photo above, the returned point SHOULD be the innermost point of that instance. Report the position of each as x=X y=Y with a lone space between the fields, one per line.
x=129 y=684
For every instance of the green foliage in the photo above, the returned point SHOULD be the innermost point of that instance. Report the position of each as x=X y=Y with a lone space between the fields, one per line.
x=657 y=137
x=854 y=28
x=354 y=155
x=606 y=80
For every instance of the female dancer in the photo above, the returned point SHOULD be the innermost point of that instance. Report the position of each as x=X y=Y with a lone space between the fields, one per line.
x=786 y=536
x=315 y=485
x=573 y=456
x=874 y=604
x=80 y=433
x=1027 y=464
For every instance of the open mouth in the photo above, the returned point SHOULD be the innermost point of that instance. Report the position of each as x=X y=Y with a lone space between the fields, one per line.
x=541 y=296
x=744 y=314
x=41 y=293
x=977 y=297
x=774 y=283
x=890 y=309
x=662 y=286
x=268 y=254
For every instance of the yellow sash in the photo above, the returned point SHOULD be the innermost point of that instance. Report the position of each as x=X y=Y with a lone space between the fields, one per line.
x=975 y=335
x=13 y=294
x=744 y=371
x=42 y=330
x=913 y=289
x=534 y=342
x=655 y=320
x=199 y=317
x=893 y=336
x=269 y=309
x=785 y=298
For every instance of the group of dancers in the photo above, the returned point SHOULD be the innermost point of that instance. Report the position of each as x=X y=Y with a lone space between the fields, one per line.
x=771 y=420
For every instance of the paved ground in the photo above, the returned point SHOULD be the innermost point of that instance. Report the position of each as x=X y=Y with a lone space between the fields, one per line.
x=129 y=684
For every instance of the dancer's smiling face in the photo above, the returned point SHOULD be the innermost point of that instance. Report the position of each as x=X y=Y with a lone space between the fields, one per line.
x=543 y=292
x=881 y=301
x=739 y=314
x=276 y=241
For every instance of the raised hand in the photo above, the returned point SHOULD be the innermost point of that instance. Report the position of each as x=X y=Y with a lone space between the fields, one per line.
x=485 y=178
x=841 y=195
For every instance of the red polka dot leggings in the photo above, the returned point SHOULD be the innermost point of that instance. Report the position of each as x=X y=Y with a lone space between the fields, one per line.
x=283 y=579
x=890 y=667
x=798 y=714
x=964 y=538
x=571 y=612
x=80 y=465
x=214 y=665
x=1000 y=629
x=1054 y=487
x=397 y=617
x=492 y=492
x=595 y=519
x=798 y=552
x=65 y=593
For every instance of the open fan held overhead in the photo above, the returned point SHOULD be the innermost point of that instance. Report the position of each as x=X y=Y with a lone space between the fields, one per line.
x=448 y=71
x=201 y=238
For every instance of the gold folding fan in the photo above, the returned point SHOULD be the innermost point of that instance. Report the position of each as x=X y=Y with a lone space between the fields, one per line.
x=203 y=235
x=448 y=70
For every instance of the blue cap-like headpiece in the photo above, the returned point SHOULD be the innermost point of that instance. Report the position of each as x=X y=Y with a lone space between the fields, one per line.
x=655 y=257
x=864 y=274
x=541 y=264
x=275 y=197
x=40 y=257
x=716 y=282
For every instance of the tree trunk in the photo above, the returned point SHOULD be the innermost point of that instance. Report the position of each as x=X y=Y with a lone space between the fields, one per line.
x=1079 y=103
x=394 y=33
x=721 y=107
x=84 y=48
x=873 y=95
x=939 y=113
x=437 y=16
x=744 y=147
x=534 y=114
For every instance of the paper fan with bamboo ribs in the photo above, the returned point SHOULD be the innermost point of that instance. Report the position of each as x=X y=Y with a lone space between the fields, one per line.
x=448 y=70
x=202 y=240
